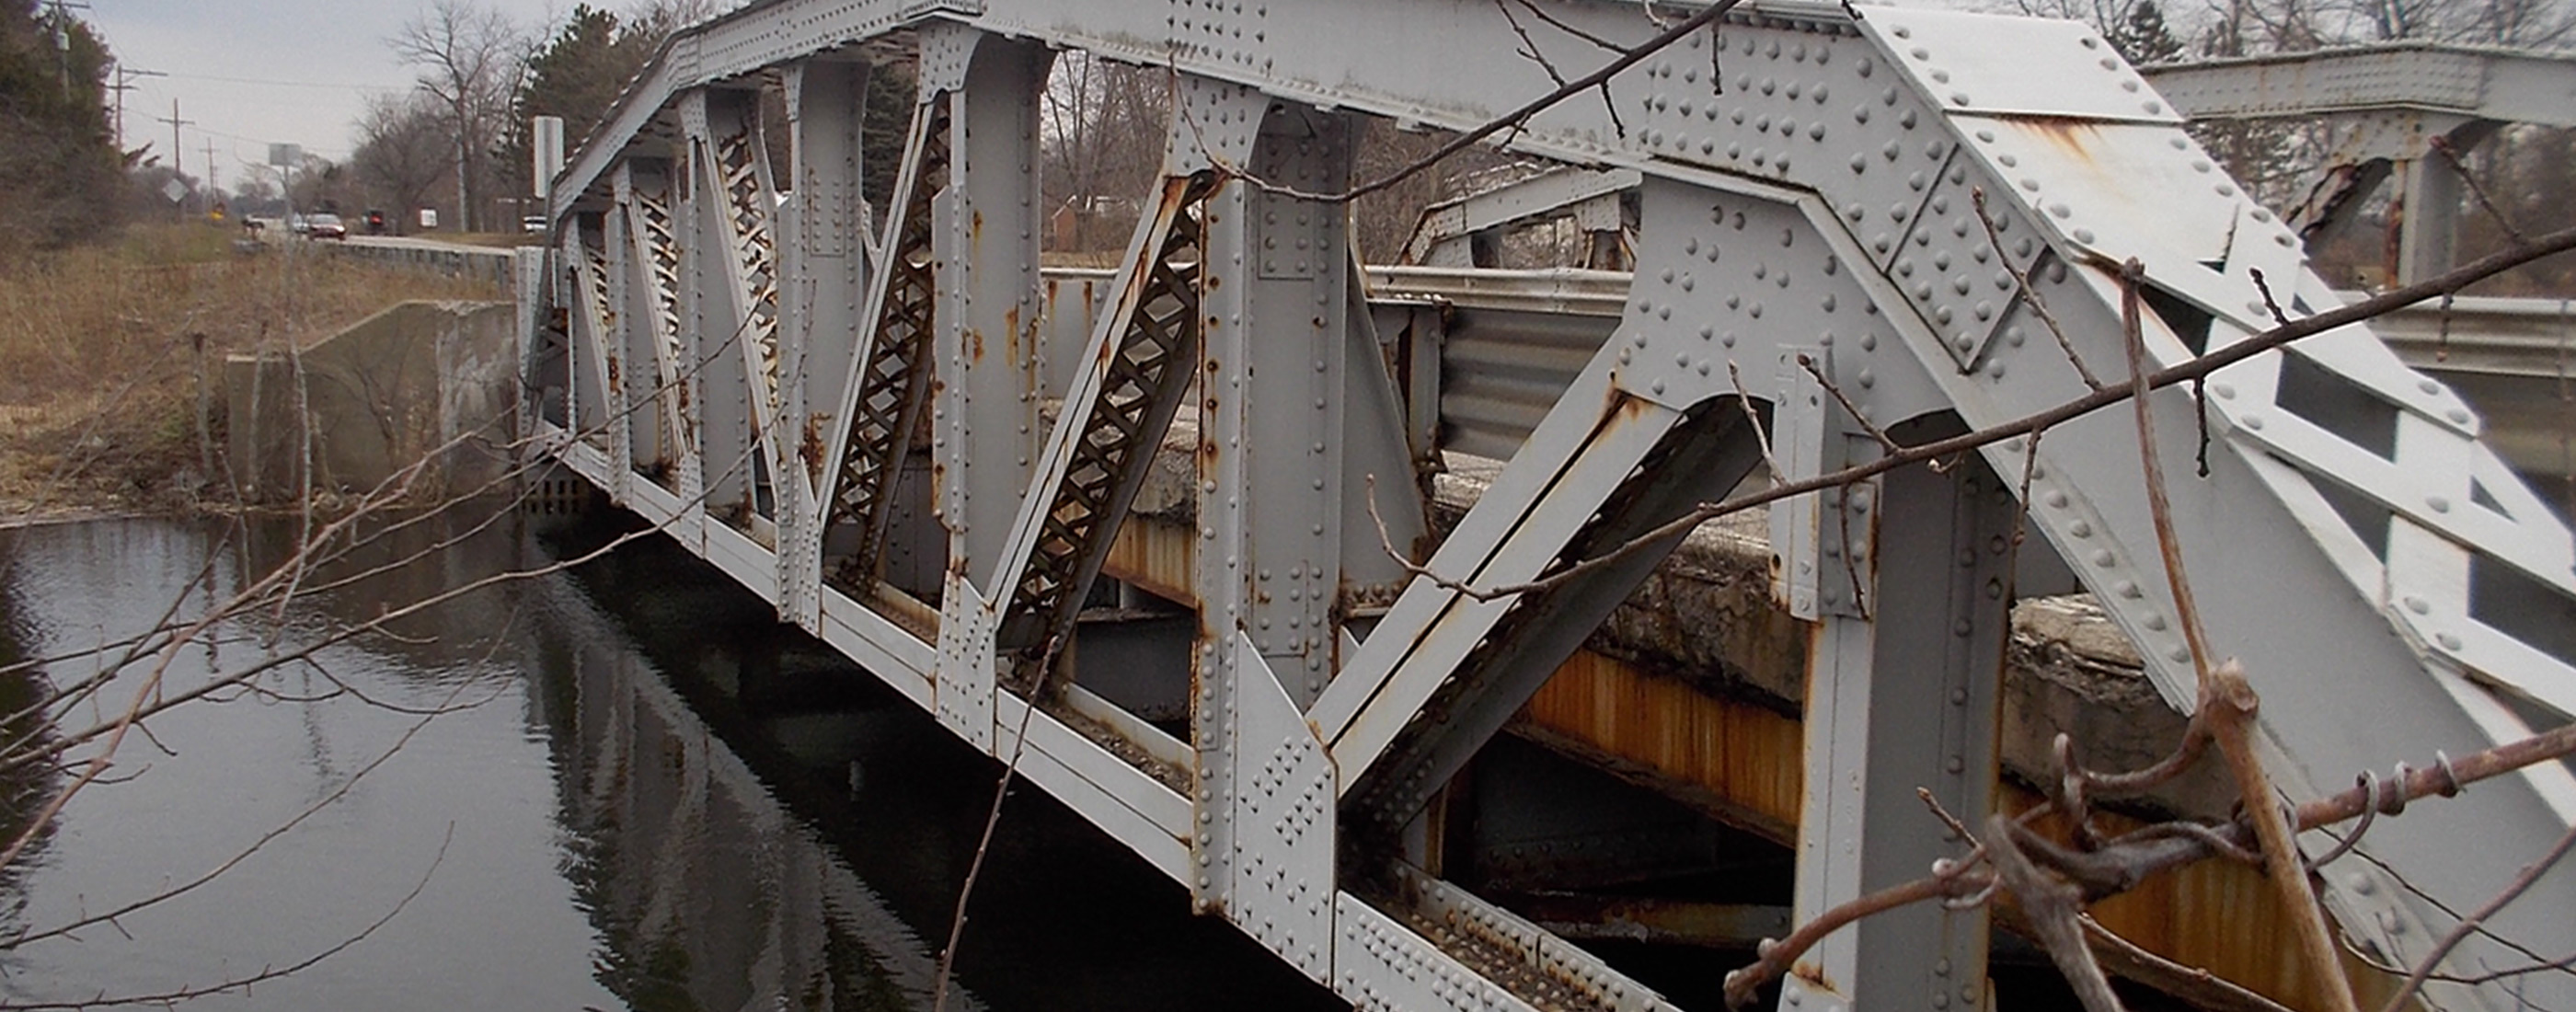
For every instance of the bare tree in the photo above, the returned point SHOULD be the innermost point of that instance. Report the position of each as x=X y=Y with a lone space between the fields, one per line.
x=402 y=151
x=1104 y=143
x=469 y=57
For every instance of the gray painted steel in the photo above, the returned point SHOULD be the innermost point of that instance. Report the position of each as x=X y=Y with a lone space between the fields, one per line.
x=1813 y=185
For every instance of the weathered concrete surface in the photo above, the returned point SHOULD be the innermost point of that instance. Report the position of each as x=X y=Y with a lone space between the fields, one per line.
x=434 y=381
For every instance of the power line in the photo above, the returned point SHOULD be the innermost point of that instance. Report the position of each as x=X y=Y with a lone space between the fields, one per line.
x=125 y=77
x=272 y=83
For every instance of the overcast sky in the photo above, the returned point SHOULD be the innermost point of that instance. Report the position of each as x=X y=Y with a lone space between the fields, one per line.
x=253 y=72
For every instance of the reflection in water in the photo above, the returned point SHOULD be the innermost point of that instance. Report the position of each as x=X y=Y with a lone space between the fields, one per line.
x=663 y=801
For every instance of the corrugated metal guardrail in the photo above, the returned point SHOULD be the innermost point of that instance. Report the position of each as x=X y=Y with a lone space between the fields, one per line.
x=1511 y=341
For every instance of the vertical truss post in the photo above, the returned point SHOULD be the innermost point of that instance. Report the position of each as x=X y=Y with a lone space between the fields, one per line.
x=2428 y=234
x=1264 y=848
x=1278 y=296
x=722 y=328
x=1911 y=592
x=654 y=297
x=636 y=427
x=822 y=264
x=986 y=406
x=889 y=375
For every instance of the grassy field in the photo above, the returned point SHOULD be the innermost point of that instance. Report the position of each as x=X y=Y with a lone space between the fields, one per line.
x=103 y=348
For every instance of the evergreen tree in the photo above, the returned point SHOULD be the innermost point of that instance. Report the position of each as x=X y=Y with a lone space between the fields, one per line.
x=579 y=73
x=60 y=174
x=2142 y=37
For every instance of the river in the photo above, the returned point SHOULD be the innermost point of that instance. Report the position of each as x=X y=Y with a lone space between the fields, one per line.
x=618 y=785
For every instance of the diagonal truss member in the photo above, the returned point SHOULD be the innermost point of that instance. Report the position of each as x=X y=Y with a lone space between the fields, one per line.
x=893 y=380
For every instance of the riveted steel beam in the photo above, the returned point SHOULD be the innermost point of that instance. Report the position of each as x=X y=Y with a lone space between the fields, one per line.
x=986 y=409
x=1901 y=696
x=821 y=271
x=2476 y=82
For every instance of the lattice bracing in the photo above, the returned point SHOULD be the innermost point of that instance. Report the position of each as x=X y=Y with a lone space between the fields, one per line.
x=1149 y=362
x=755 y=253
x=894 y=367
x=649 y=219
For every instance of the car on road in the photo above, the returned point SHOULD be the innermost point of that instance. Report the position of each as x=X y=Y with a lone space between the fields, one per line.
x=325 y=226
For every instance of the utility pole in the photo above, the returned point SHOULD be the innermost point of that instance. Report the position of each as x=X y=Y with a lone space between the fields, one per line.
x=175 y=123
x=125 y=77
x=210 y=165
x=63 y=39
x=177 y=170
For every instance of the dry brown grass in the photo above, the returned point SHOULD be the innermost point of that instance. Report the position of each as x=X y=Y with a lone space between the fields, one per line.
x=100 y=356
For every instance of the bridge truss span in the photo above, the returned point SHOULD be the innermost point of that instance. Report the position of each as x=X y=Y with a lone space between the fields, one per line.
x=1906 y=225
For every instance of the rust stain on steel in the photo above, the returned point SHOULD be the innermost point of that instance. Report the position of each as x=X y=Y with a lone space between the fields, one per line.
x=1010 y=332
x=1156 y=556
x=975 y=344
x=2076 y=137
x=813 y=446
x=1741 y=762
x=1742 y=756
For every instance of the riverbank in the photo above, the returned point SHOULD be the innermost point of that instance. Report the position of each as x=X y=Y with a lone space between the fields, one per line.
x=111 y=360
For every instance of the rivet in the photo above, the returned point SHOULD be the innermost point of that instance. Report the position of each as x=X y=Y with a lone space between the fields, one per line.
x=2439 y=504
x=2104 y=558
x=2418 y=605
x=2254 y=422
x=2458 y=416
x=2225 y=391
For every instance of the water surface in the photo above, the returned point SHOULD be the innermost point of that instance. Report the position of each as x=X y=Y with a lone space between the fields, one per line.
x=637 y=791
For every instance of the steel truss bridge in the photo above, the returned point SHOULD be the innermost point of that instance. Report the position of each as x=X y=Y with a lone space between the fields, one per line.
x=883 y=427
